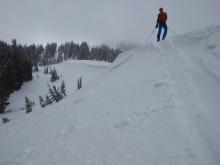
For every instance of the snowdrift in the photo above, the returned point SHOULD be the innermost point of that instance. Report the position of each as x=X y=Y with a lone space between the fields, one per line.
x=156 y=105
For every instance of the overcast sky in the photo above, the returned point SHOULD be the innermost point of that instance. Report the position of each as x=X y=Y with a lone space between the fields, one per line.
x=99 y=21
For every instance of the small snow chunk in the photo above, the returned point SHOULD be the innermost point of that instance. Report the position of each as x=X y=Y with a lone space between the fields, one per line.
x=162 y=83
x=121 y=124
x=158 y=84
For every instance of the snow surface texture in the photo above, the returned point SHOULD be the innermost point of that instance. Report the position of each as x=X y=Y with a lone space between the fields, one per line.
x=156 y=105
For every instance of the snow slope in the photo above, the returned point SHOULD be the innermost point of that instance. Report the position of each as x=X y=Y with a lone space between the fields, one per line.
x=156 y=105
x=69 y=72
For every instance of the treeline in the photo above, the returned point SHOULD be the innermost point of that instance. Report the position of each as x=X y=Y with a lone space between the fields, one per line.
x=52 y=53
x=15 y=68
x=75 y=51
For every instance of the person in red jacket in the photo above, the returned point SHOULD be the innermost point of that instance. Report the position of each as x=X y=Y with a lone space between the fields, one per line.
x=161 y=23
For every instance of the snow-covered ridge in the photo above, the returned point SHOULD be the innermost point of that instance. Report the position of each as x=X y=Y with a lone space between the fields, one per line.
x=157 y=104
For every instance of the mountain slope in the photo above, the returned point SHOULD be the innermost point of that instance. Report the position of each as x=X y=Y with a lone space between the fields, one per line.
x=154 y=105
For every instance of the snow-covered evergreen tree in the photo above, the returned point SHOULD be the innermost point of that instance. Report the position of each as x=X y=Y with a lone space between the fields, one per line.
x=5 y=120
x=54 y=75
x=58 y=95
x=42 y=102
x=63 y=89
x=36 y=69
x=52 y=95
x=3 y=102
x=28 y=106
x=48 y=101
x=79 y=83
x=46 y=71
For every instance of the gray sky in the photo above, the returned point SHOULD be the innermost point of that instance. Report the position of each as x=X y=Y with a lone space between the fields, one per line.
x=99 y=21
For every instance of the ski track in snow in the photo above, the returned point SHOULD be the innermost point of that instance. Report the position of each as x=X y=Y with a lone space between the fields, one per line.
x=196 y=117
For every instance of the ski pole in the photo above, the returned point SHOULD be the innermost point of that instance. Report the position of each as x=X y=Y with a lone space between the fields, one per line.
x=173 y=31
x=150 y=36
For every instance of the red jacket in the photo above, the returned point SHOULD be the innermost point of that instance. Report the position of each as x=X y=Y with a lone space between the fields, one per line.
x=162 y=17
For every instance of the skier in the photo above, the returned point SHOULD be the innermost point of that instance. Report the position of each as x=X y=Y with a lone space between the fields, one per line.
x=161 y=22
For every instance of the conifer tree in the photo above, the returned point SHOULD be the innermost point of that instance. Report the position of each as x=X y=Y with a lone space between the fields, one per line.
x=5 y=120
x=83 y=51
x=3 y=102
x=52 y=95
x=58 y=95
x=42 y=102
x=63 y=89
x=48 y=101
x=3 y=88
x=36 y=68
x=79 y=83
x=46 y=70
x=28 y=105
x=54 y=75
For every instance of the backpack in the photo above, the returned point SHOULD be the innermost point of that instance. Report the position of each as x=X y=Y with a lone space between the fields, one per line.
x=162 y=17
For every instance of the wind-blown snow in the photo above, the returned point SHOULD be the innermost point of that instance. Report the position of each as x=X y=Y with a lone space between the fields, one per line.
x=156 y=105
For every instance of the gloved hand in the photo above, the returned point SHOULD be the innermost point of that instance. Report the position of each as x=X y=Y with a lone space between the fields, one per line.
x=156 y=26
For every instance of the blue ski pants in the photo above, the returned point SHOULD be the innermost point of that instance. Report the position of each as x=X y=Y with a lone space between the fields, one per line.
x=164 y=26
